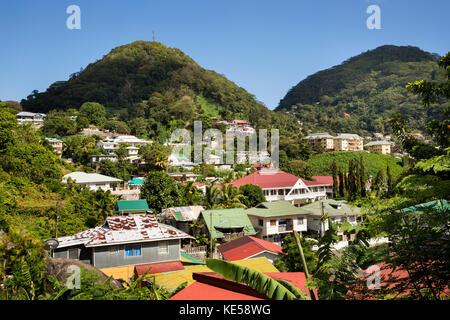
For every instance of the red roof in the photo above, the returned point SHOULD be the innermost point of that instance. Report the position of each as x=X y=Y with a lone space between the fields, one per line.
x=246 y=247
x=269 y=178
x=328 y=180
x=158 y=267
x=211 y=286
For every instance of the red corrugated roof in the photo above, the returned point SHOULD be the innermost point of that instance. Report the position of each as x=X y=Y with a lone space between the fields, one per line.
x=245 y=247
x=211 y=286
x=158 y=267
x=324 y=180
x=269 y=178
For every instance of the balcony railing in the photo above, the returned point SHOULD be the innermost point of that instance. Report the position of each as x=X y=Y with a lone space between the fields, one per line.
x=285 y=228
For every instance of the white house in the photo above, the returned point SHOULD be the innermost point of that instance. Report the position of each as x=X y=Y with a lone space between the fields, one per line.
x=93 y=181
x=279 y=185
x=36 y=119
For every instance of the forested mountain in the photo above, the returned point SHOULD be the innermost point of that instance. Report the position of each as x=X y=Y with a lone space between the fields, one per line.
x=360 y=94
x=147 y=80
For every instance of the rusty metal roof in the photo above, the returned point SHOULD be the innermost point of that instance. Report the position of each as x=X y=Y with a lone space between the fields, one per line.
x=124 y=229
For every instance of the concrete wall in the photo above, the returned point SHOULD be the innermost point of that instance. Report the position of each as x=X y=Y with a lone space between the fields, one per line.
x=114 y=256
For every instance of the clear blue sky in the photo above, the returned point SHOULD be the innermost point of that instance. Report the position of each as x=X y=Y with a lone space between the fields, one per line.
x=264 y=46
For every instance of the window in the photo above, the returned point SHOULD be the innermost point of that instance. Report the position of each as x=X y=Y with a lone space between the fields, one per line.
x=300 y=221
x=260 y=222
x=133 y=250
x=163 y=247
x=273 y=222
x=73 y=253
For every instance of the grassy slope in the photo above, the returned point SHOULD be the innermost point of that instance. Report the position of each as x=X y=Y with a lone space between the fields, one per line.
x=321 y=163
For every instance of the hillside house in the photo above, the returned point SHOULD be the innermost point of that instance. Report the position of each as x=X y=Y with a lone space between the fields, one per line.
x=180 y=217
x=36 y=119
x=338 y=211
x=93 y=181
x=279 y=185
x=123 y=241
x=248 y=247
x=274 y=220
x=226 y=224
x=383 y=147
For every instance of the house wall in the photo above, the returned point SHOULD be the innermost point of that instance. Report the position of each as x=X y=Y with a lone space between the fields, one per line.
x=76 y=252
x=269 y=255
x=107 y=257
x=267 y=229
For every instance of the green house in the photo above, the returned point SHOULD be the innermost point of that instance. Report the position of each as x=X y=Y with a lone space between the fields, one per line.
x=227 y=224
x=132 y=206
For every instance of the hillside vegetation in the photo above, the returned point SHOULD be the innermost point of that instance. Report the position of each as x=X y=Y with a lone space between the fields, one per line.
x=321 y=163
x=360 y=94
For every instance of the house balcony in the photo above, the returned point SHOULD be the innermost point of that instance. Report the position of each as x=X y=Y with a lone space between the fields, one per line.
x=285 y=228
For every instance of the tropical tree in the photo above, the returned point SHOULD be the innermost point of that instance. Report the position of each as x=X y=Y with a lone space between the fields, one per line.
x=253 y=195
x=160 y=190
x=230 y=197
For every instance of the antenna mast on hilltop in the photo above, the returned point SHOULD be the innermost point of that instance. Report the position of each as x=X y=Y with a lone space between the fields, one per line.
x=153 y=35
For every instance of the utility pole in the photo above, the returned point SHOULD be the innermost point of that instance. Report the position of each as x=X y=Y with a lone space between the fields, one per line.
x=57 y=216
x=210 y=235
x=153 y=35
x=305 y=266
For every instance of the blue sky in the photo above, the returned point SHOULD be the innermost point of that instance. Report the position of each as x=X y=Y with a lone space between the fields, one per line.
x=264 y=46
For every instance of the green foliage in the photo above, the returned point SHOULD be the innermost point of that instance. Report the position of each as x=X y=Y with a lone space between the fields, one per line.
x=256 y=280
x=361 y=93
x=160 y=190
x=58 y=124
x=94 y=112
x=373 y=162
x=253 y=195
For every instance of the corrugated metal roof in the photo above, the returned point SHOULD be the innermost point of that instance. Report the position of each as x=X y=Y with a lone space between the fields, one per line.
x=158 y=267
x=227 y=218
x=124 y=229
x=246 y=247
x=132 y=205
x=333 y=208
x=275 y=209
x=188 y=213
x=83 y=177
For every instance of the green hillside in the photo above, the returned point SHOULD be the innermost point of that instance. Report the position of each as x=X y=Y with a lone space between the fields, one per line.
x=151 y=81
x=360 y=94
x=321 y=163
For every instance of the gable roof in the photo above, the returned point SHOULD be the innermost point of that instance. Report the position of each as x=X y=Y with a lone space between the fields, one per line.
x=171 y=281
x=267 y=178
x=436 y=204
x=211 y=286
x=245 y=247
x=83 y=177
x=275 y=209
x=334 y=208
x=132 y=205
x=134 y=228
x=227 y=218
x=158 y=267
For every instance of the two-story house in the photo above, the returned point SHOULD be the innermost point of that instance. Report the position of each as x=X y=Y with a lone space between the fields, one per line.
x=93 y=181
x=280 y=185
x=274 y=220
x=338 y=211
x=383 y=147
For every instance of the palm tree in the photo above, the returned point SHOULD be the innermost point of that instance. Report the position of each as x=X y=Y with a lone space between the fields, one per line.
x=273 y=288
x=212 y=195
x=231 y=197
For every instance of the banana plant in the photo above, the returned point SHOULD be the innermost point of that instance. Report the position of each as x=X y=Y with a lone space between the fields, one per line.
x=272 y=288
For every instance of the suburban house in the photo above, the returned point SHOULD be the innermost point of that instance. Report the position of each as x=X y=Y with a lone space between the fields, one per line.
x=249 y=247
x=123 y=241
x=94 y=181
x=57 y=145
x=111 y=145
x=325 y=183
x=100 y=157
x=383 y=147
x=180 y=160
x=226 y=224
x=321 y=139
x=338 y=211
x=125 y=207
x=279 y=185
x=180 y=217
x=36 y=119
x=274 y=220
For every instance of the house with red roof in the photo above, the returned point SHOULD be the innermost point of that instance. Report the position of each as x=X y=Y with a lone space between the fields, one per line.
x=280 y=185
x=211 y=286
x=250 y=247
